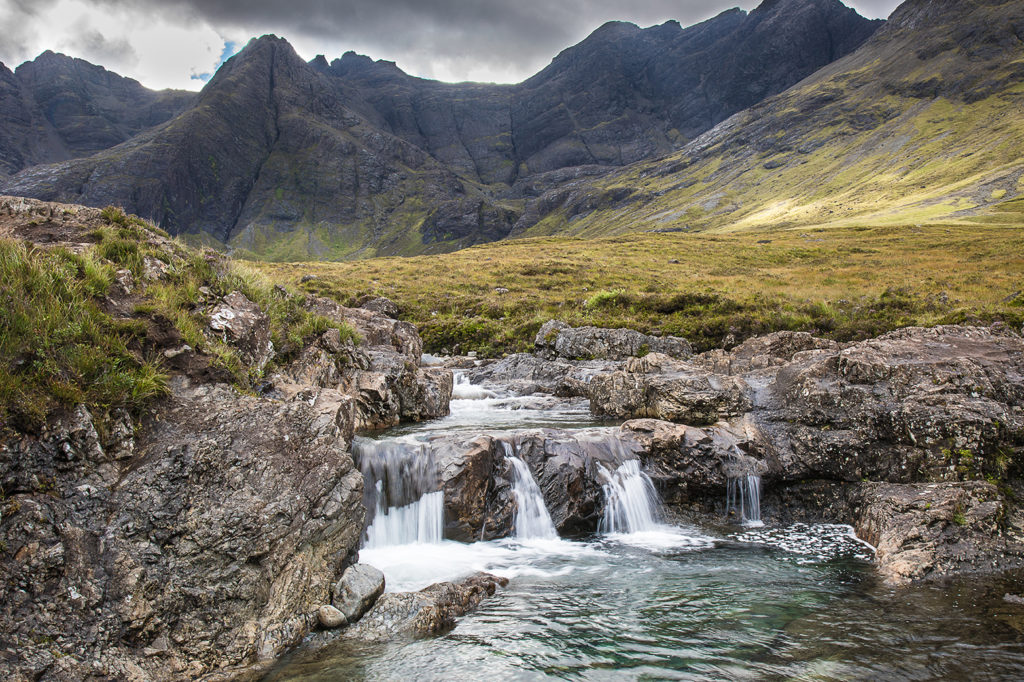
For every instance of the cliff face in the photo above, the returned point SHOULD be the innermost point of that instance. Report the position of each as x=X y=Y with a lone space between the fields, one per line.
x=353 y=158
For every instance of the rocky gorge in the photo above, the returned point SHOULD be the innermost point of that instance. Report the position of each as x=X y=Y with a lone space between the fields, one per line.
x=219 y=528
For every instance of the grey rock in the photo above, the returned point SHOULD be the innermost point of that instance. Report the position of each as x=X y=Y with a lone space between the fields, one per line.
x=558 y=340
x=357 y=590
x=242 y=323
x=331 y=617
x=430 y=611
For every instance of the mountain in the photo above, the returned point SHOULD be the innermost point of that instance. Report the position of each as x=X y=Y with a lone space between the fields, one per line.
x=56 y=108
x=922 y=123
x=354 y=157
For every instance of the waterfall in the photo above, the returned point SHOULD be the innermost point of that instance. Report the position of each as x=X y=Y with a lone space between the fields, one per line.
x=743 y=497
x=401 y=487
x=462 y=389
x=631 y=502
x=532 y=518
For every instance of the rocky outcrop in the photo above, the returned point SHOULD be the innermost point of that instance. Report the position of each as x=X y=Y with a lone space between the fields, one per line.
x=382 y=376
x=525 y=374
x=430 y=611
x=245 y=326
x=208 y=539
x=558 y=340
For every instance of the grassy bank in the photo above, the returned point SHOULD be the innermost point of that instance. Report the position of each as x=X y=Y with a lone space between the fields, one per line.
x=70 y=334
x=845 y=283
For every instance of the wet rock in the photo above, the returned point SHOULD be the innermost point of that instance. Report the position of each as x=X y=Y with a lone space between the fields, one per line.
x=212 y=545
x=357 y=590
x=524 y=374
x=558 y=340
x=477 y=484
x=331 y=617
x=689 y=464
x=242 y=323
x=428 y=612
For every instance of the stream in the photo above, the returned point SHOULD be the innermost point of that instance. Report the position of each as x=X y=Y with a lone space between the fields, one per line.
x=643 y=599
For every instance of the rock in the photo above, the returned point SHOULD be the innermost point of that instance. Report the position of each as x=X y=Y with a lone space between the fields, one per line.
x=379 y=304
x=558 y=340
x=357 y=590
x=476 y=479
x=242 y=323
x=331 y=617
x=217 y=539
x=526 y=374
x=936 y=530
x=686 y=395
x=428 y=612
x=305 y=279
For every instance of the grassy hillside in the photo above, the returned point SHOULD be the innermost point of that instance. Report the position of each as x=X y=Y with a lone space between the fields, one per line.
x=72 y=332
x=923 y=124
x=847 y=283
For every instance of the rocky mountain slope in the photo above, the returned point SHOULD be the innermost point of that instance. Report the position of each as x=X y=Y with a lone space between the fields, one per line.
x=922 y=123
x=55 y=108
x=355 y=158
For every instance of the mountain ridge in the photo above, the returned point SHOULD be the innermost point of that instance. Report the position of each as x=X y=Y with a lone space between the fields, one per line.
x=431 y=166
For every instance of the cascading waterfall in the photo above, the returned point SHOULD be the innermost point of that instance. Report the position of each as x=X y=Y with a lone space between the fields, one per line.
x=532 y=518
x=631 y=502
x=402 y=489
x=743 y=498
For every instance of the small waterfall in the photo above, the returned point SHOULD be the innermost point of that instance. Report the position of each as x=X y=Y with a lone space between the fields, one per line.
x=743 y=498
x=402 y=490
x=631 y=502
x=462 y=389
x=532 y=518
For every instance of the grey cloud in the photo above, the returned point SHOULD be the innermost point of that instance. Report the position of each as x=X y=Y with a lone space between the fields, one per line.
x=523 y=35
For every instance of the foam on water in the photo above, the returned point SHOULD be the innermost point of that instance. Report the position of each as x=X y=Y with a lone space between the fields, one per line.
x=811 y=543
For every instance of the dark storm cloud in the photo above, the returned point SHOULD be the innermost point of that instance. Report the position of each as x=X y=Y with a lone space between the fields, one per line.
x=455 y=32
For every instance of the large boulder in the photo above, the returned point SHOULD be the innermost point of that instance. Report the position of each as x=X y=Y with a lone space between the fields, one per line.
x=558 y=340
x=477 y=483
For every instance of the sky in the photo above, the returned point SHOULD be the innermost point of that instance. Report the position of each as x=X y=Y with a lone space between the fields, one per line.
x=180 y=43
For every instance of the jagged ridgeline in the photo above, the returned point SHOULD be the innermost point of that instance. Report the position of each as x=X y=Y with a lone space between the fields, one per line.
x=353 y=158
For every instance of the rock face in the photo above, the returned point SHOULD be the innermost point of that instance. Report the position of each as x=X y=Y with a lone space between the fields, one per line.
x=382 y=376
x=657 y=387
x=209 y=539
x=430 y=611
x=245 y=326
x=374 y=136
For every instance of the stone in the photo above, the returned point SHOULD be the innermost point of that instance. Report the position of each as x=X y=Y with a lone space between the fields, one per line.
x=430 y=611
x=379 y=304
x=558 y=340
x=242 y=323
x=359 y=587
x=331 y=617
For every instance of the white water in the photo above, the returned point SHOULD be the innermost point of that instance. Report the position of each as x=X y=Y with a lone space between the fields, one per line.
x=631 y=502
x=421 y=522
x=743 y=497
x=532 y=518
x=462 y=389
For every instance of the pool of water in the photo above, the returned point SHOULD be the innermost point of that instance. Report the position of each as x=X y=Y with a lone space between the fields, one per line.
x=685 y=604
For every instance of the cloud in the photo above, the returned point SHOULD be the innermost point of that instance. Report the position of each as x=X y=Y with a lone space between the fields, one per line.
x=164 y=43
